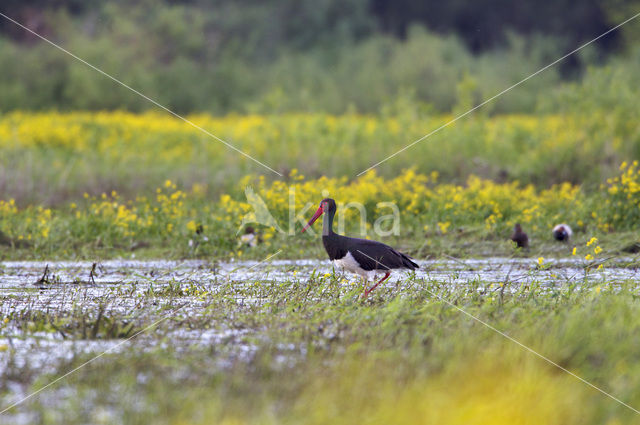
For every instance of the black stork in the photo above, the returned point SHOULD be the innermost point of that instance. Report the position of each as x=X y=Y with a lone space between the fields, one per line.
x=361 y=256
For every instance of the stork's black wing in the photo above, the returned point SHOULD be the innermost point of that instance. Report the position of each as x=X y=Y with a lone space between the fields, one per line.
x=372 y=255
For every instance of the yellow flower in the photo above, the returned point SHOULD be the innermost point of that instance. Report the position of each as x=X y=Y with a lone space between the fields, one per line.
x=597 y=250
x=588 y=257
x=192 y=226
x=444 y=227
x=168 y=183
x=592 y=240
x=198 y=189
x=540 y=260
x=575 y=250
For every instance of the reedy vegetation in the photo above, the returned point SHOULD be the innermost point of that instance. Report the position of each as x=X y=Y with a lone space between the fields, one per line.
x=171 y=217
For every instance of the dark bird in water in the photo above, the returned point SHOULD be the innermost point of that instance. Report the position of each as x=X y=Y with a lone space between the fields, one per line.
x=519 y=237
x=633 y=248
x=361 y=256
x=562 y=232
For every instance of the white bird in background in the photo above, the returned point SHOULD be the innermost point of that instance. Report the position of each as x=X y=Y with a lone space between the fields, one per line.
x=249 y=237
x=562 y=232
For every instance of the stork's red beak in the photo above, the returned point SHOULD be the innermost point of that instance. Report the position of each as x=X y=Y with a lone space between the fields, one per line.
x=313 y=219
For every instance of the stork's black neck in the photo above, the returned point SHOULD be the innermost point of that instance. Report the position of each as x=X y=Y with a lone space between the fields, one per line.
x=333 y=242
x=327 y=222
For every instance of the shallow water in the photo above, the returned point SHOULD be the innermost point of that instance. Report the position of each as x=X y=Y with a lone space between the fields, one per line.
x=126 y=285
x=20 y=276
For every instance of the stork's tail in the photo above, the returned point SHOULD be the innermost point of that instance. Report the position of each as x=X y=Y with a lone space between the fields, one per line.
x=408 y=262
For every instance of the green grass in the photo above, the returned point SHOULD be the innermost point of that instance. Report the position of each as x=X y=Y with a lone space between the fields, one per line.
x=419 y=246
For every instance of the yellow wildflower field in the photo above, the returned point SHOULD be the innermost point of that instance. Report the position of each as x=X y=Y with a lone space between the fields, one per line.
x=52 y=157
x=426 y=207
x=118 y=179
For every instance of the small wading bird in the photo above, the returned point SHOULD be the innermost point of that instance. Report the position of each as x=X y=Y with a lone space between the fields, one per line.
x=249 y=238
x=360 y=256
x=519 y=237
x=562 y=232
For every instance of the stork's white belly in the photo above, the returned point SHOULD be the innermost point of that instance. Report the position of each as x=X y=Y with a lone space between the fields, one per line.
x=350 y=264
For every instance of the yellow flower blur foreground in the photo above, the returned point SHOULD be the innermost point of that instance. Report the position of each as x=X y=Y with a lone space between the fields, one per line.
x=359 y=391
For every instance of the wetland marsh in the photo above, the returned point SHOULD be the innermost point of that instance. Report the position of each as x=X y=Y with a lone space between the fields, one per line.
x=282 y=341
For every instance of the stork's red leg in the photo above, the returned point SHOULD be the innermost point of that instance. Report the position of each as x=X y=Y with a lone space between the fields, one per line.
x=368 y=291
